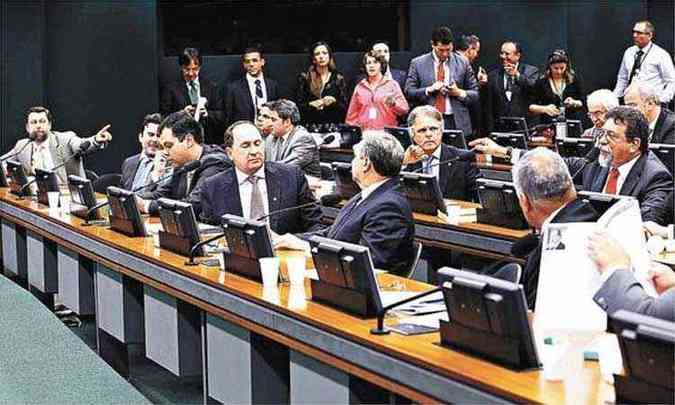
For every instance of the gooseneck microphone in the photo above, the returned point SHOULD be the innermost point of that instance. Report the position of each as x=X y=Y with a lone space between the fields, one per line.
x=328 y=199
x=188 y=167
x=463 y=156
x=32 y=139
x=82 y=151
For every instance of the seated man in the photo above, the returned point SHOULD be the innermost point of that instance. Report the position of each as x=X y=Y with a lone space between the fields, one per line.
x=46 y=149
x=263 y=121
x=240 y=191
x=182 y=138
x=379 y=217
x=457 y=180
x=546 y=195
x=620 y=289
x=599 y=103
x=290 y=143
x=661 y=120
x=137 y=169
x=633 y=169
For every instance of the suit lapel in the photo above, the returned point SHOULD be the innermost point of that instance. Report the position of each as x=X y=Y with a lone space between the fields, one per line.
x=182 y=91
x=246 y=95
x=657 y=136
x=633 y=177
x=599 y=179
x=273 y=192
x=58 y=156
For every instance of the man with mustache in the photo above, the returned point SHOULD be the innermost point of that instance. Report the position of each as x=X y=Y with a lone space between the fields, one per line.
x=254 y=188
x=137 y=169
x=49 y=149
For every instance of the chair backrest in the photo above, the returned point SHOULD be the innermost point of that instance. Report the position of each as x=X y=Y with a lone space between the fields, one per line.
x=417 y=247
x=106 y=180
x=326 y=171
x=509 y=272
x=91 y=175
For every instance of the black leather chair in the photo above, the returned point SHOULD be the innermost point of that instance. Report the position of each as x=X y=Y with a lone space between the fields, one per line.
x=102 y=183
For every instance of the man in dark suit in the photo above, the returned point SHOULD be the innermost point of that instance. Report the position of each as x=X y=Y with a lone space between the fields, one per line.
x=661 y=120
x=457 y=180
x=469 y=47
x=546 y=194
x=289 y=142
x=620 y=289
x=137 y=169
x=184 y=94
x=444 y=79
x=239 y=191
x=508 y=86
x=379 y=217
x=624 y=166
x=183 y=140
x=244 y=97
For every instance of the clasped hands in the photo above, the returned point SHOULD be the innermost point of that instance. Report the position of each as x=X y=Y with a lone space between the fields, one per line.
x=322 y=103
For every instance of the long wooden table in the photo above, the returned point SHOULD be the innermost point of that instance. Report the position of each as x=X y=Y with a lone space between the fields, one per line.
x=324 y=344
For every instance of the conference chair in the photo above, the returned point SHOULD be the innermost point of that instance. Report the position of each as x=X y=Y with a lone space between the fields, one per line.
x=102 y=183
x=508 y=272
x=417 y=247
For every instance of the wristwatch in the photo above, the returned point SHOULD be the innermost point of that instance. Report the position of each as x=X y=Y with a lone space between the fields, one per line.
x=509 y=152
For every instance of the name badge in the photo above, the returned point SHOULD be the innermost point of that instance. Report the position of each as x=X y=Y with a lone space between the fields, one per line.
x=372 y=113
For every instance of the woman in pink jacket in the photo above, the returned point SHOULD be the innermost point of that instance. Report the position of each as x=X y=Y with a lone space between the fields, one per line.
x=377 y=101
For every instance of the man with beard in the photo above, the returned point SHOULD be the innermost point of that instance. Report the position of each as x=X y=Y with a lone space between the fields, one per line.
x=245 y=97
x=137 y=170
x=46 y=149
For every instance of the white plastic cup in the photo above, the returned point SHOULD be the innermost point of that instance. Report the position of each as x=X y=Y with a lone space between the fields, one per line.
x=155 y=239
x=65 y=203
x=296 y=297
x=269 y=267
x=296 y=270
x=609 y=357
x=53 y=199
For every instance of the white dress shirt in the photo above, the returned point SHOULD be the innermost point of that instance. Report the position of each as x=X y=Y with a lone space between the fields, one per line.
x=42 y=156
x=656 y=69
x=257 y=102
x=370 y=189
x=246 y=188
x=448 y=80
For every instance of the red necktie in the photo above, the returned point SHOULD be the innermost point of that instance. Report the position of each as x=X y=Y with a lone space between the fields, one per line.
x=610 y=187
x=440 y=98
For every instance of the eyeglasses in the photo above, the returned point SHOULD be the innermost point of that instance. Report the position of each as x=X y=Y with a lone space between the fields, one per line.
x=595 y=114
x=640 y=32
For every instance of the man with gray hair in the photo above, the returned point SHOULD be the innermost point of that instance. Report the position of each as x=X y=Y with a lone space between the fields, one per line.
x=645 y=98
x=546 y=194
x=599 y=102
x=379 y=217
x=289 y=142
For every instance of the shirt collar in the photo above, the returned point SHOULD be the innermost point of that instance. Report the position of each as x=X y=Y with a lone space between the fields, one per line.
x=436 y=60
x=371 y=188
x=553 y=215
x=252 y=79
x=625 y=168
x=243 y=177
x=195 y=81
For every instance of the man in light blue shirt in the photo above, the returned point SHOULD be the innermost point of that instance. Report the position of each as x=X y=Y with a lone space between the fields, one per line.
x=648 y=63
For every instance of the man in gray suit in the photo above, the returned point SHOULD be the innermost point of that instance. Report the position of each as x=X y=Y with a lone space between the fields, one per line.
x=290 y=143
x=46 y=149
x=137 y=169
x=620 y=289
x=444 y=79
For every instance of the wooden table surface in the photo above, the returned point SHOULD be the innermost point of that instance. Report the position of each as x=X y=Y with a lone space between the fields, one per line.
x=422 y=350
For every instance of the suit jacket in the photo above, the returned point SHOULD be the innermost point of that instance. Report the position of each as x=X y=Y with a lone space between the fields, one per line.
x=664 y=130
x=649 y=181
x=299 y=149
x=498 y=105
x=542 y=94
x=622 y=291
x=286 y=187
x=61 y=145
x=174 y=97
x=383 y=223
x=214 y=161
x=456 y=180
x=333 y=114
x=129 y=169
x=575 y=211
x=238 y=102
x=422 y=75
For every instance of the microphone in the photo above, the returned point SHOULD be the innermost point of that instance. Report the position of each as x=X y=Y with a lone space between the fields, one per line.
x=523 y=246
x=32 y=138
x=328 y=199
x=185 y=168
x=463 y=156
x=198 y=246
x=380 y=329
x=581 y=169
x=83 y=150
x=327 y=139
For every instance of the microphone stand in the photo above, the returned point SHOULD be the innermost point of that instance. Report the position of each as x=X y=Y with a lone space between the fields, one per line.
x=380 y=329
x=198 y=246
x=79 y=153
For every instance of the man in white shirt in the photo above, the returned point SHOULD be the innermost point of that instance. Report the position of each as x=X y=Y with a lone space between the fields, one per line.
x=646 y=62
x=244 y=97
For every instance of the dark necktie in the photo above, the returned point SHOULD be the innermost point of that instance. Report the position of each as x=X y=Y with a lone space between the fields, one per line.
x=258 y=89
x=194 y=93
x=636 y=66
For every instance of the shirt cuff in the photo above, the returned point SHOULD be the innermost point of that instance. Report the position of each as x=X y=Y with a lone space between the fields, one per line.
x=608 y=273
x=515 y=155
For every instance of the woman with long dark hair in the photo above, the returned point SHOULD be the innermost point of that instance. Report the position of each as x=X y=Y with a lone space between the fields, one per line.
x=321 y=93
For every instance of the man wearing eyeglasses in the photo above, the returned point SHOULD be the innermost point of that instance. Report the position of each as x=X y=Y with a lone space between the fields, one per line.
x=599 y=102
x=184 y=94
x=646 y=62
x=661 y=120
x=627 y=168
